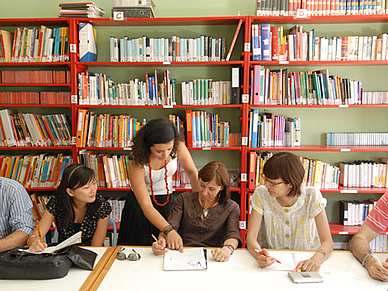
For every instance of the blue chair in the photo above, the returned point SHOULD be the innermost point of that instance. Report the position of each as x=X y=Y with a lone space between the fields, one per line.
x=111 y=222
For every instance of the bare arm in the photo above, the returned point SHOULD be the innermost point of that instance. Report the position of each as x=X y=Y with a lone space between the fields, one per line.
x=136 y=175
x=15 y=239
x=359 y=245
x=188 y=165
x=44 y=226
x=100 y=232
x=252 y=243
x=314 y=263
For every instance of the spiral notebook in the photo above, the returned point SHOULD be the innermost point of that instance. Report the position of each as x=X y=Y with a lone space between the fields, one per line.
x=190 y=259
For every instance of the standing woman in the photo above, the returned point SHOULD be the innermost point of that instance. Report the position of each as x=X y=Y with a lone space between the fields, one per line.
x=154 y=159
x=75 y=207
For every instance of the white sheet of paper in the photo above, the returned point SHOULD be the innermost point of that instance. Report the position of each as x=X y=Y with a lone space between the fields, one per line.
x=290 y=260
x=360 y=272
x=74 y=239
x=190 y=259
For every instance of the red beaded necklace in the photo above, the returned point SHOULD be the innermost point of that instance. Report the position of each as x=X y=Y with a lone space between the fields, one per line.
x=152 y=187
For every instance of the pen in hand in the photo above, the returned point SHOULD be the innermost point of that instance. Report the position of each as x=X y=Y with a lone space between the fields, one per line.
x=261 y=253
x=40 y=236
x=157 y=241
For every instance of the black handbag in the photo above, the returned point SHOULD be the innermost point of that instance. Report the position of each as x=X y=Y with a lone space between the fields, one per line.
x=15 y=264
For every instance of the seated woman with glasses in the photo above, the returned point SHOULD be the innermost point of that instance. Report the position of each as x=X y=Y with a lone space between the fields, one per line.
x=290 y=216
x=208 y=218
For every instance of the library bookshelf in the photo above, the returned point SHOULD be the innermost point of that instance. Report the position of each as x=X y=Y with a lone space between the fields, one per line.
x=233 y=156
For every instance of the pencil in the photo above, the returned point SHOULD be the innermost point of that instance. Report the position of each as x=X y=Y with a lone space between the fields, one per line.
x=40 y=236
x=261 y=253
x=157 y=240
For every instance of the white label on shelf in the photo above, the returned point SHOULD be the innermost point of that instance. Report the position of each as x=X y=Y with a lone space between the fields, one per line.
x=343 y=232
x=247 y=47
x=118 y=15
x=242 y=224
x=73 y=48
x=244 y=140
x=349 y=191
x=346 y=150
x=301 y=13
x=74 y=140
x=73 y=99
x=343 y=106
x=168 y=106
x=243 y=177
x=207 y=149
x=284 y=62
x=245 y=98
x=166 y=63
x=127 y=149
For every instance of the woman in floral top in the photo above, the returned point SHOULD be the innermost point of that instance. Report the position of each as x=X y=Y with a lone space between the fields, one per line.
x=75 y=207
x=290 y=216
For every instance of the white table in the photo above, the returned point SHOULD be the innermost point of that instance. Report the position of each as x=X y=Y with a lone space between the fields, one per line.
x=241 y=272
x=73 y=281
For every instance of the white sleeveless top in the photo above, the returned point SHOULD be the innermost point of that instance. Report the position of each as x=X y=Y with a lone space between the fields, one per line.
x=158 y=181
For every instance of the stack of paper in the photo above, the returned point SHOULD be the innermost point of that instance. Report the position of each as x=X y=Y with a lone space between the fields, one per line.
x=86 y=9
x=190 y=259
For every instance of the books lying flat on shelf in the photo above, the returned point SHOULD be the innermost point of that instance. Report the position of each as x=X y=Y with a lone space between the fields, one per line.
x=74 y=239
x=86 y=9
x=190 y=259
x=290 y=260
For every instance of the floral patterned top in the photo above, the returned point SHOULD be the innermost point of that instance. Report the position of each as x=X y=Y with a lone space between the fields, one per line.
x=89 y=224
x=288 y=227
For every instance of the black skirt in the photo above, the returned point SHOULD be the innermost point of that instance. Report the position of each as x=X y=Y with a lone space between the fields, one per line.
x=135 y=229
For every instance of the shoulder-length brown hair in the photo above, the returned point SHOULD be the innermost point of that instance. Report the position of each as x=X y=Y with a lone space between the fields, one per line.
x=288 y=167
x=217 y=171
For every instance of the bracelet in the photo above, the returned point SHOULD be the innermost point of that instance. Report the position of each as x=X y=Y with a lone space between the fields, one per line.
x=167 y=229
x=30 y=237
x=231 y=247
x=371 y=254
x=322 y=252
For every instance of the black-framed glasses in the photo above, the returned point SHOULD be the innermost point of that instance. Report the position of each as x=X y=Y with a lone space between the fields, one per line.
x=133 y=256
x=269 y=182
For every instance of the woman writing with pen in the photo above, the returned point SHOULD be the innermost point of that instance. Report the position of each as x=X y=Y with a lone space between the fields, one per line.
x=207 y=218
x=286 y=215
x=75 y=207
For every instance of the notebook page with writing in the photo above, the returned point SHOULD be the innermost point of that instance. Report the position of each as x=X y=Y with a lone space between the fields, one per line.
x=190 y=259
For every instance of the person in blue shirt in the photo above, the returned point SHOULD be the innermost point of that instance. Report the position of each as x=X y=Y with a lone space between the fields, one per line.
x=15 y=214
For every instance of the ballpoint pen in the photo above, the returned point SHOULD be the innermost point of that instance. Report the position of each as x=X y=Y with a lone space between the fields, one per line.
x=261 y=253
x=157 y=241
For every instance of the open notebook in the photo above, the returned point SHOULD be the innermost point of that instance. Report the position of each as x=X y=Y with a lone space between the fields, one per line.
x=290 y=259
x=74 y=239
x=190 y=259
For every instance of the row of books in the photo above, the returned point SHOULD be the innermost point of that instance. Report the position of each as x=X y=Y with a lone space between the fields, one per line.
x=272 y=44
x=318 y=7
x=269 y=130
x=354 y=212
x=117 y=205
x=281 y=87
x=98 y=89
x=106 y=130
x=356 y=138
x=56 y=98
x=112 y=170
x=42 y=44
x=170 y=49
x=317 y=173
x=35 y=77
x=82 y=9
x=35 y=170
x=379 y=244
x=204 y=129
x=364 y=174
x=39 y=205
x=206 y=92
x=374 y=97
x=28 y=129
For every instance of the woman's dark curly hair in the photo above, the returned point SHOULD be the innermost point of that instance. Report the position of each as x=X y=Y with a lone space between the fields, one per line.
x=141 y=148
